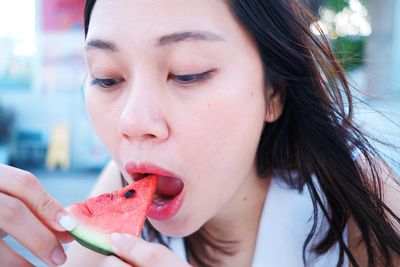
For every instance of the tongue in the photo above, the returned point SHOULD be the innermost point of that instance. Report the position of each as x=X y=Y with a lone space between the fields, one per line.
x=168 y=186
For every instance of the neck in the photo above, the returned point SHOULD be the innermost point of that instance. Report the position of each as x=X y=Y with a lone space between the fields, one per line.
x=236 y=226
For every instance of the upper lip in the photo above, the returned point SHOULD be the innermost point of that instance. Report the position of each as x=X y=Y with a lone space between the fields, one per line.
x=133 y=168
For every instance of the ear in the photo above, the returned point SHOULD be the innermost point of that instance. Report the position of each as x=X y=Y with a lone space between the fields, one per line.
x=275 y=105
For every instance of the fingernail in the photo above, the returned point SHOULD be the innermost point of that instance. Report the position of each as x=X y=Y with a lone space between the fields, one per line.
x=66 y=221
x=120 y=240
x=58 y=256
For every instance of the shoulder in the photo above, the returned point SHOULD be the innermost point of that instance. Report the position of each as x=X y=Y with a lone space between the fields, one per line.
x=109 y=179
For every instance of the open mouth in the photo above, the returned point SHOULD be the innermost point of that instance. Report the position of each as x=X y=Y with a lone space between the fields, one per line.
x=169 y=194
x=166 y=190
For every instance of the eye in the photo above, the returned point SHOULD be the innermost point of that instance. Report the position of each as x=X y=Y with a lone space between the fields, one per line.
x=191 y=78
x=105 y=83
x=130 y=194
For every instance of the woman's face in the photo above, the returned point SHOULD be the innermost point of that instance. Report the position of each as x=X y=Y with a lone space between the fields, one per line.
x=176 y=88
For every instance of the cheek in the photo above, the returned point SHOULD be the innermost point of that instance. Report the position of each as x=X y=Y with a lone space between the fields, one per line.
x=104 y=119
x=229 y=125
x=218 y=151
x=92 y=108
x=224 y=138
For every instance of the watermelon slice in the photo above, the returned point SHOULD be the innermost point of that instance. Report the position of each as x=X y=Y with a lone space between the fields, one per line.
x=122 y=211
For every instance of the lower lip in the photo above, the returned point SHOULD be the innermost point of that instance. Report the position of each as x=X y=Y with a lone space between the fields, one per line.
x=166 y=211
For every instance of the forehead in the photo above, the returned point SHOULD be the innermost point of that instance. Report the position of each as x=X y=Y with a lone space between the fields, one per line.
x=113 y=18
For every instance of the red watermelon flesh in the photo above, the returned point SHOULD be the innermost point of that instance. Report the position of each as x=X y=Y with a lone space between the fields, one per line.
x=122 y=211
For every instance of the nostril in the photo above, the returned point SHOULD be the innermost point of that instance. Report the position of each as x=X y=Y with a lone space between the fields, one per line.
x=144 y=137
x=150 y=136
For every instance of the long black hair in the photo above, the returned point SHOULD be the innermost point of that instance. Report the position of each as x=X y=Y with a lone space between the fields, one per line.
x=315 y=135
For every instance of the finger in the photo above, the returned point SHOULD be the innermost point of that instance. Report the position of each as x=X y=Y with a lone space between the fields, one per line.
x=2 y=234
x=25 y=186
x=64 y=237
x=18 y=221
x=136 y=251
x=112 y=261
x=11 y=259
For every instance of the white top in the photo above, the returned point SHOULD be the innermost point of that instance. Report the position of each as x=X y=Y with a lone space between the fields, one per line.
x=285 y=223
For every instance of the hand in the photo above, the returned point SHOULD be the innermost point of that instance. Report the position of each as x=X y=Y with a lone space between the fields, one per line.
x=134 y=251
x=30 y=215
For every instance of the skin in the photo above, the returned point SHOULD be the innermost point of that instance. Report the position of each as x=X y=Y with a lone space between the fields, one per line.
x=146 y=116
x=153 y=110
x=145 y=112
x=29 y=218
x=195 y=131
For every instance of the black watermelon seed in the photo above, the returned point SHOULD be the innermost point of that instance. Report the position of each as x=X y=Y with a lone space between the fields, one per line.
x=130 y=193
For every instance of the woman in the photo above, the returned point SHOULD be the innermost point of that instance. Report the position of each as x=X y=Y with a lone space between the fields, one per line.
x=241 y=110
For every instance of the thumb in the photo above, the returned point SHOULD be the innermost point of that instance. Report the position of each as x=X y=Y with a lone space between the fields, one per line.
x=137 y=251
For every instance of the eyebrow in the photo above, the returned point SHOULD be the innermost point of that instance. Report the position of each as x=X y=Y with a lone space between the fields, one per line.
x=188 y=36
x=101 y=44
x=165 y=40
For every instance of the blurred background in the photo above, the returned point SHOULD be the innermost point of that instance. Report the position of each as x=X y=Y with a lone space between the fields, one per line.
x=41 y=95
x=44 y=127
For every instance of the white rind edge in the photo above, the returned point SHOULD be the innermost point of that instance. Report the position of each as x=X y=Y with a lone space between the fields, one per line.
x=67 y=222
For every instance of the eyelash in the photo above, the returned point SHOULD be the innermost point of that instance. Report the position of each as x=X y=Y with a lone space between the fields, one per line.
x=191 y=78
x=105 y=83
x=181 y=79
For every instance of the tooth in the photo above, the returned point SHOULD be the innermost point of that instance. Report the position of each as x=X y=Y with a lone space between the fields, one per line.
x=158 y=200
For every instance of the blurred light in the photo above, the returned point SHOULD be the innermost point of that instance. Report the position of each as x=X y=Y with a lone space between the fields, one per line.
x=24 y=49
x=17 y=18
x=357 y=7
x=352 y=20
x=17 y=22
x=328 y=15
x=319 y=27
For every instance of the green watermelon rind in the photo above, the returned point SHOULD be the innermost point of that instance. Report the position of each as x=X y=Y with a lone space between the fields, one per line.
x=93 y=240
x=97 y=239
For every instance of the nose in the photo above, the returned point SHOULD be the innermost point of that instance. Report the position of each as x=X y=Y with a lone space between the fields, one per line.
x=142 y=117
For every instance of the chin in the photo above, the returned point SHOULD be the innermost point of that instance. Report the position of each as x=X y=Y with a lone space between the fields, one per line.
x=174 y=228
